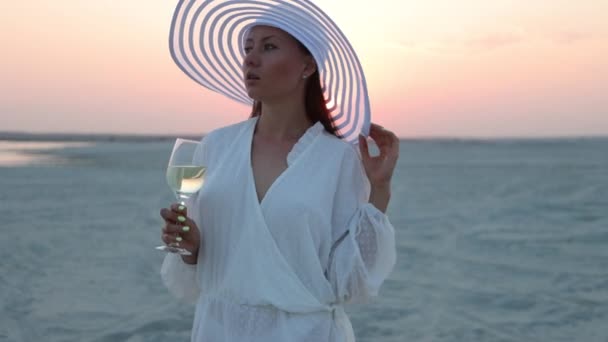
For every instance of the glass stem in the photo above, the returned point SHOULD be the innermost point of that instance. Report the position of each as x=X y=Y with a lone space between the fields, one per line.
x=181 y=197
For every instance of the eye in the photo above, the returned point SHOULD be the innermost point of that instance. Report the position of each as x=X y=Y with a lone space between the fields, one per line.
x=247 y=49
x=269 y=46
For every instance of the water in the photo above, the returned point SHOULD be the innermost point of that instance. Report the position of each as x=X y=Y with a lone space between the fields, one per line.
x=497 y=240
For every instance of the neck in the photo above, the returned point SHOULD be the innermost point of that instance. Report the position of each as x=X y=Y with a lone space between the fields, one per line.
x=283 y=120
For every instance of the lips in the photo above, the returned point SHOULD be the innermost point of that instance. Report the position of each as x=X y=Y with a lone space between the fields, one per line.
x=252 y=76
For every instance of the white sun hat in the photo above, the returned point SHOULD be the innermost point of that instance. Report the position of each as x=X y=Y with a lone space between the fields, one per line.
x=207 y=39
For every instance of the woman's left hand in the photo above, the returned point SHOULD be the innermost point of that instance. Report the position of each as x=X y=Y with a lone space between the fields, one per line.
x=379 y=169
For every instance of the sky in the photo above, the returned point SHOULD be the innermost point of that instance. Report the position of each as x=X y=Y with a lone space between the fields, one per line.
x=434 y=68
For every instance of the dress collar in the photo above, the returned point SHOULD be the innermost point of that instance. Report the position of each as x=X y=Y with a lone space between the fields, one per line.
x=303 y=142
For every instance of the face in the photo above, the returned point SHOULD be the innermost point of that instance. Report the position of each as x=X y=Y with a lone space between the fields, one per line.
x=274 y=64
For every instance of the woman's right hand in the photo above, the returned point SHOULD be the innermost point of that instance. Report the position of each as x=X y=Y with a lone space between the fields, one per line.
x=180 y=230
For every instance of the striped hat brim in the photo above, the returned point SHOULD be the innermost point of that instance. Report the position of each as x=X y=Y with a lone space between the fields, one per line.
x=206 y=41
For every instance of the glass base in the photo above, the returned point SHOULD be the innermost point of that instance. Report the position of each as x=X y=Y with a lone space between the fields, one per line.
x=172 y=249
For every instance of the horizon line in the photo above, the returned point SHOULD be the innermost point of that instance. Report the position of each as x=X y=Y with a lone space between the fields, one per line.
x=82 y=136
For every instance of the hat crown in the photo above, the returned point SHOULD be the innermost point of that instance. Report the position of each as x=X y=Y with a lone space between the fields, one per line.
x=300 y=23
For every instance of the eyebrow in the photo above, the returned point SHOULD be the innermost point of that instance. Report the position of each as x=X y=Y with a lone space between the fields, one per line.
x=263 y=39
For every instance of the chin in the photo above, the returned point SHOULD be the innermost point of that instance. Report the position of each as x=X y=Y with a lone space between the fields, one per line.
x=257 y=94
x=254 y=95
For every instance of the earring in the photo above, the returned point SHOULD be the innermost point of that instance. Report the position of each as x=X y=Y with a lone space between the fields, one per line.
x=304 y=76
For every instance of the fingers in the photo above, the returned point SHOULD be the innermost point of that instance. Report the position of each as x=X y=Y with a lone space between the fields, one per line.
x=179 y=208
x=379 y=134
x=177 y=228
x=175 y=234
x=363 y=147
x=168 y=215
x=172 y=239
x=390 y=142
x=173 y=215
x=375 y=126
x=176 y=221
x=379 y=131
x=387 y=141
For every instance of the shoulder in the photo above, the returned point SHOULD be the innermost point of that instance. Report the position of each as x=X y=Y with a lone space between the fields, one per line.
x=347 y=159
x=217 y=141
x=351 y=182
x=339 y=149
x=228 y=133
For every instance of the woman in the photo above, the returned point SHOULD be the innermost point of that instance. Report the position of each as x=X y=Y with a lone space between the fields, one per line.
x=291 y=223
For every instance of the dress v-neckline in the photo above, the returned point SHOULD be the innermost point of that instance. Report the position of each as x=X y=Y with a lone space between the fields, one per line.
x=260 y=201
x=279 y=178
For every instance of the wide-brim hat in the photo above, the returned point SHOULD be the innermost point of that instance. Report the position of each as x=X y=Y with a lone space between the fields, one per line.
x=207 y=39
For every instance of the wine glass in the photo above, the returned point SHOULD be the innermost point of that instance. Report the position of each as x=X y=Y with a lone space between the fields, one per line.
x=185 y=176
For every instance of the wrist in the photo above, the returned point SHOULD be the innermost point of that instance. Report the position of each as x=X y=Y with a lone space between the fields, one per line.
x=380 y=196
x=190 y=259
x=384 y=187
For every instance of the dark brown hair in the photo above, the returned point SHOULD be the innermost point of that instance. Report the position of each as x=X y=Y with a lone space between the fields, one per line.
x=316 y=105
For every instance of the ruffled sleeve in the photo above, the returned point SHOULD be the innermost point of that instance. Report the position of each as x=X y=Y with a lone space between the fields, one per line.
x=363 y=253
x=181 y=279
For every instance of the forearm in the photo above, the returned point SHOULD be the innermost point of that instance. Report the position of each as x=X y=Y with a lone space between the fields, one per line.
x=380 y=196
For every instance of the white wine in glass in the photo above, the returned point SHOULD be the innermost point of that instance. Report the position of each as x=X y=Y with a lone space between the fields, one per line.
x=185 y=176
x=185 y=180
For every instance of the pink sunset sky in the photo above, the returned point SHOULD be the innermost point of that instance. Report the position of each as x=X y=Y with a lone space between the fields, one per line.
x=468 y=68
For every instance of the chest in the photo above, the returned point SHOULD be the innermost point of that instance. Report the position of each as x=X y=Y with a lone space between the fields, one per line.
x=268 y=162
x=293 y=202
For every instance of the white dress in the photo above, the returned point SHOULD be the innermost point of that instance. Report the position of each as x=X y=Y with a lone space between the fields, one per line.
x=280 y=270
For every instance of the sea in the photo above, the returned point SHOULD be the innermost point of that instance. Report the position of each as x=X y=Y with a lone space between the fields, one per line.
x=498 y=240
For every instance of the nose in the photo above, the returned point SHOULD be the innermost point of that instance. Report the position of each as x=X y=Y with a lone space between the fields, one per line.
x=251 y=59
